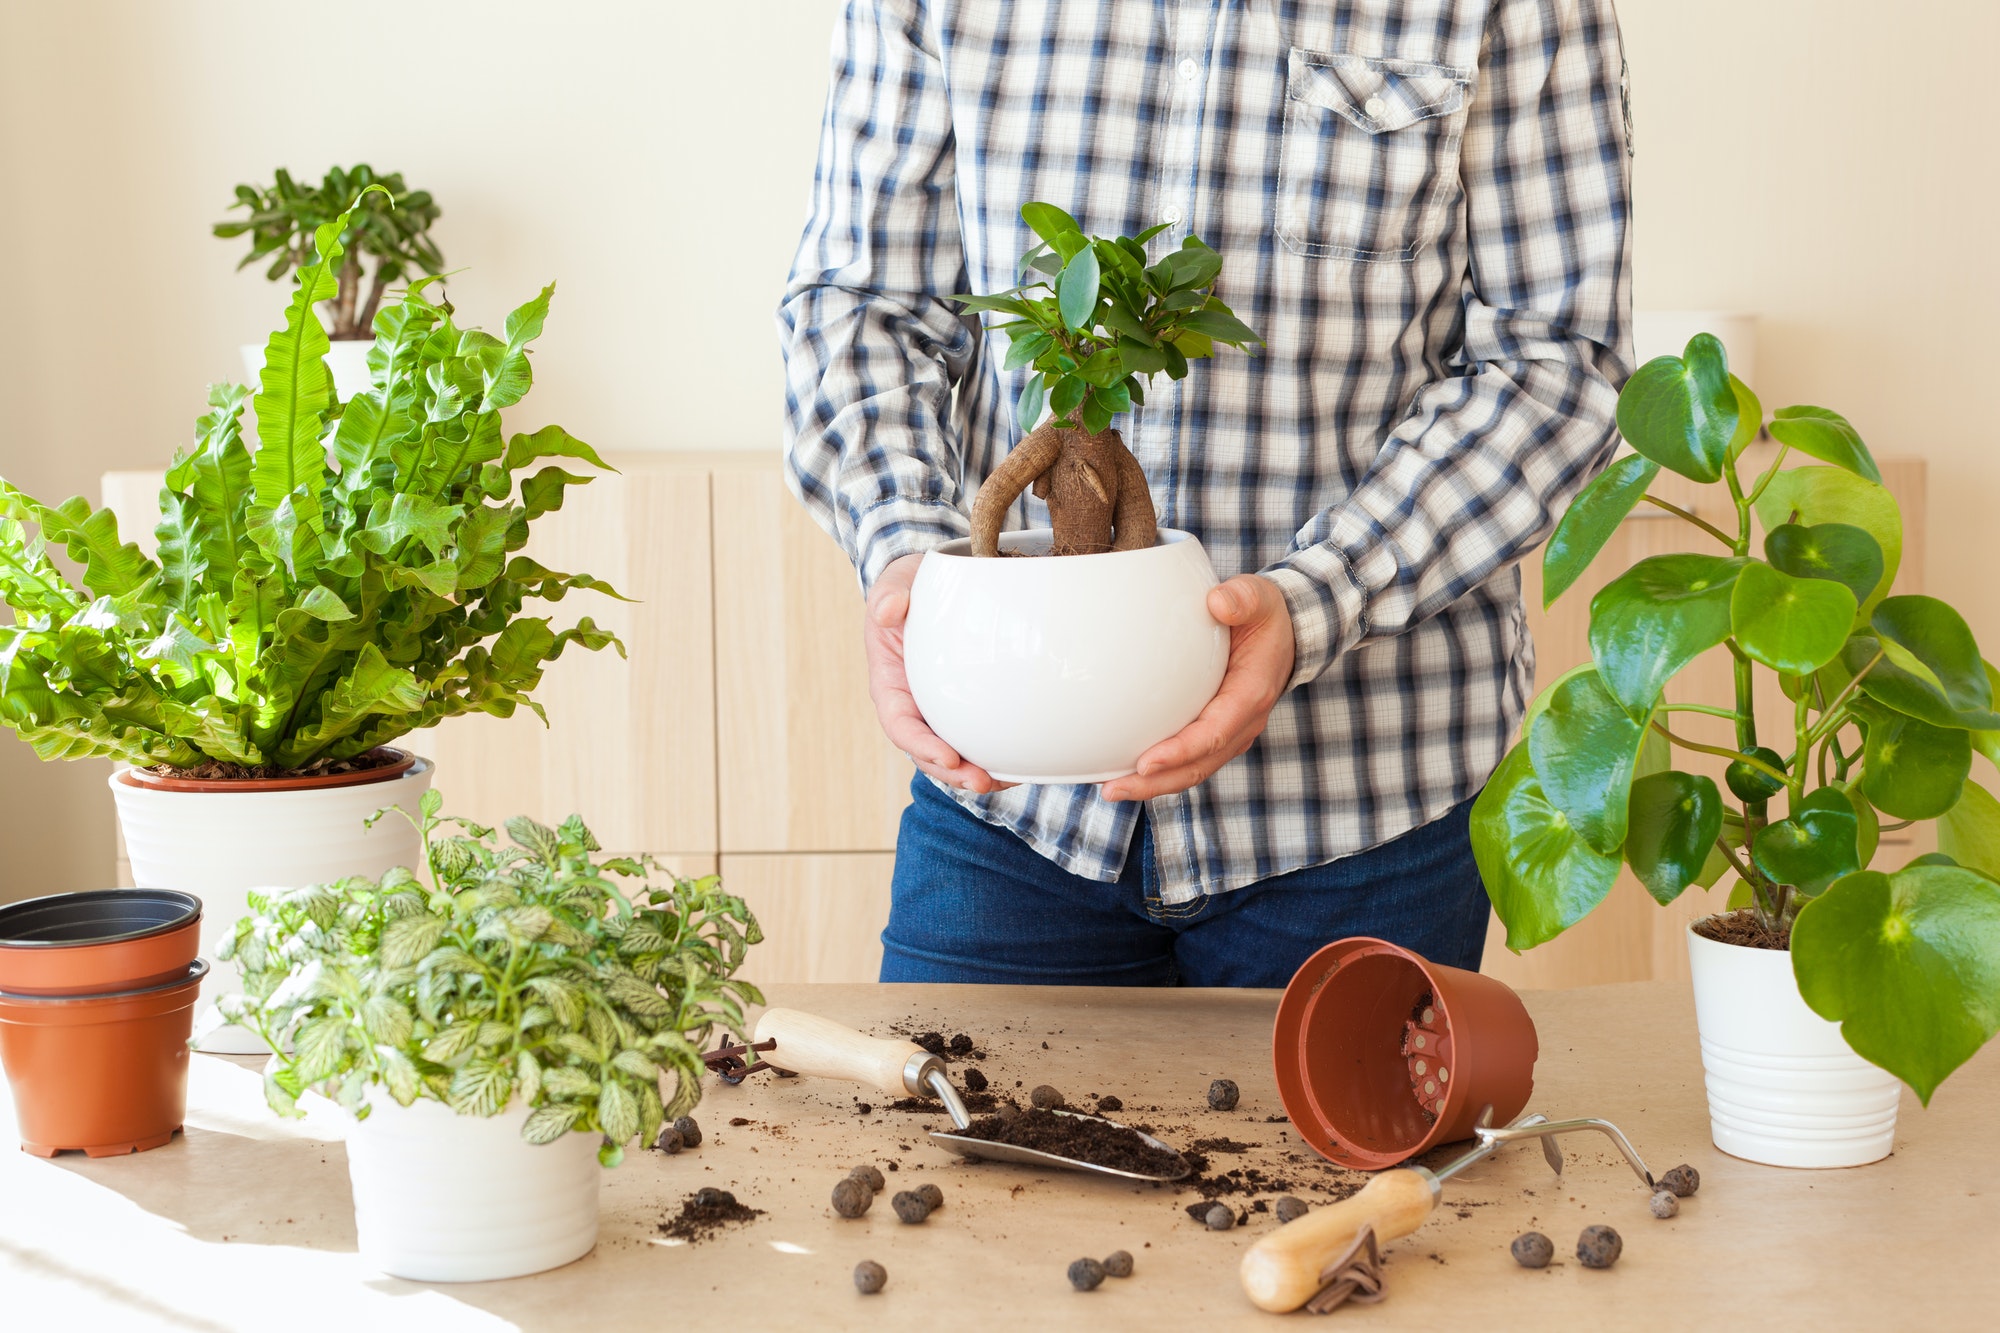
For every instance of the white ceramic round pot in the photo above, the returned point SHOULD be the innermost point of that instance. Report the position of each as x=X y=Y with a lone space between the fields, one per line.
x=443 y=1197
x=1062 y=668
x=1784 y=1088
x=220 y=845
x=346 y=359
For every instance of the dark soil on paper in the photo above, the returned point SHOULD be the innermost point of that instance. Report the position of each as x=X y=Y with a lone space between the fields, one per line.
x=705 y=1212
x=1084 y=1138
x=974 y=1101
x=217 y=770
x=1742 y=928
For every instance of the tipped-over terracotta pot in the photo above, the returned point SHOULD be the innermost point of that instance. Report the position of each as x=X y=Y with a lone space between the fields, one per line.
x=1382 y=1054
x=101 y=1074
x=98 y=940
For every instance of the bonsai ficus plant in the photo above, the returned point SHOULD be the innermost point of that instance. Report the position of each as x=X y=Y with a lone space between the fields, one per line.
x=301 y=614
x=389 y=225
x=526 y=970
x=1891 y=701
x=1092 y=329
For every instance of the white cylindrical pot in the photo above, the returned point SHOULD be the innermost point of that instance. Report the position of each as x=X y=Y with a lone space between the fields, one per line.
x=1784 y=1087
x=347 y=360
x=443 y=1197
x=1062 y=668
x=220 y=845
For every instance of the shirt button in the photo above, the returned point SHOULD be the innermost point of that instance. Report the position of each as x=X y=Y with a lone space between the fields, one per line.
x=1375 y=107
x=1188 y=69
x=1171 y=214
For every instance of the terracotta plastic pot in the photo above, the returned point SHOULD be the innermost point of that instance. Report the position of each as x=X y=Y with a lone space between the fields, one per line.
x=96 y=941
x=1382 y=1054
x=101 y=1074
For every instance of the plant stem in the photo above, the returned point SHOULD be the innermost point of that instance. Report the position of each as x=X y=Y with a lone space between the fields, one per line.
x=1801 y=727
x=1729 y=853
x=1830 y=717
x=1709 y=709
x=1703 y=524
x=1757 y=491
x=1722 y=752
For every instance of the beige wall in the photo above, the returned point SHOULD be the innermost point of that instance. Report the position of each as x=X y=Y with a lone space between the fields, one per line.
x=1827 y=164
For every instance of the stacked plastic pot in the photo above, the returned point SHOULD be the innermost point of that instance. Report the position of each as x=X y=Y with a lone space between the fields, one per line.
x=97 y=996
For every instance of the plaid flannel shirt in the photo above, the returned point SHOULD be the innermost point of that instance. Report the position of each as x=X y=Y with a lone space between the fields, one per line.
x=1422 y=207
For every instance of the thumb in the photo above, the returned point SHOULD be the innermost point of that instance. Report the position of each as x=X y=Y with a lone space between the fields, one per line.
x=1234 y=602
x=890 y=609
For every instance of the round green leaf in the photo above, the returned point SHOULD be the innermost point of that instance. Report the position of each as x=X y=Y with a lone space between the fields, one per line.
x=1816 y=845
x=1542 y=877
x=1817 y=495
x=1911 y=769
x=1969 y=832
x=1681 y=412
x=1838 y=551
x=1869 y=826
x=1591 y=519
x=1908 y=964
x=1939 y=640
x=1749 y=417
x=1788 y=624
x=1905 y=684
x=1076 y=289
x=1827 y=436
x=1655 y=618
x=1675 y=819
x=1583 y=747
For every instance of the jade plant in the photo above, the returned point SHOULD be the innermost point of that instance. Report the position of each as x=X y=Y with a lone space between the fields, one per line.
x=1890 y=703
x=1091 y=330
x=383 y=220
x=524 y=971
x=303 y=612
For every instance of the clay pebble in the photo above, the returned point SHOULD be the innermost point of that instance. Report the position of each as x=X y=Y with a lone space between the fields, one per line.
x=1532 y=1249
x=1086 y=1274
x=852 y=1197
x=910 y=1206
x=1219 y=1218
x=1291 y=1208
x=1222 y=1095
x=1599 y=1247
x=1682 y=1181
x=1118 y=1263
x=690 y=1132
x=870 y=1277
x=870 y=1176
x=1046 y=1098
x=932 y=1196
x=670 y=1140
x=1665 y=1204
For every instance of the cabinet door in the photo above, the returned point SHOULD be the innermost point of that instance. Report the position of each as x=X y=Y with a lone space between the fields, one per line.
x=630 y=742
x=802 y=764
x=822 y=914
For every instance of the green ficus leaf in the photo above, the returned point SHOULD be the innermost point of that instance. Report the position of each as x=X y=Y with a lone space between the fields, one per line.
x=1048 y=221
x=1681 y=411
x=1789 y=624
x=1590 y=520
x=1077 y=288
x=1908 y=964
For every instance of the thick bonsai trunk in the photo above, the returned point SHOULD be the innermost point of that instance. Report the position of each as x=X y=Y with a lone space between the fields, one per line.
x=1095 y=488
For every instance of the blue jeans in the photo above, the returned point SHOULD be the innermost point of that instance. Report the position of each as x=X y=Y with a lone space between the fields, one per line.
x=974 y=903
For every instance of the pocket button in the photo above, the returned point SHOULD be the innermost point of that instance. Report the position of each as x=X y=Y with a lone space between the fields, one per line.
x=1374 y=107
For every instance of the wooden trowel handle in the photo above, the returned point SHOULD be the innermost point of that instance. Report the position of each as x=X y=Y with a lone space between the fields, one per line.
x=821 y=1048
x=1282 y=1271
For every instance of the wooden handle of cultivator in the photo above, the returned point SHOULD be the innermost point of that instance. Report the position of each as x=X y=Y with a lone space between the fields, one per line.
x=822 y=1048
x=1282 y=1271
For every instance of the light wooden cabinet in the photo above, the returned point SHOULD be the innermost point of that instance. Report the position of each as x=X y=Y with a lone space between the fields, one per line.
x=738 y=735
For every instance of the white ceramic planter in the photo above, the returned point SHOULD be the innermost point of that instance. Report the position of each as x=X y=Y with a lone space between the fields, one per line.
x=1062 y=669
x=346 y=359
x=220 y=845
x=1783 y=1086
x=443 y=1197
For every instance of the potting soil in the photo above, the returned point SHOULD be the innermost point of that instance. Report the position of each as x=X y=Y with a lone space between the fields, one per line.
x=1742 y=927
x=705 y=1212
x=1083 y=1138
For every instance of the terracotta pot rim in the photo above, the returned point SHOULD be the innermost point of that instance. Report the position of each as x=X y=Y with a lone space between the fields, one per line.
x=189 y=914
x=196 y=971
x=150 y=781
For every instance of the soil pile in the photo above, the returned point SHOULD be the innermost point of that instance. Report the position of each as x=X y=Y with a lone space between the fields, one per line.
x=704 y=1213
x=1084 y=1138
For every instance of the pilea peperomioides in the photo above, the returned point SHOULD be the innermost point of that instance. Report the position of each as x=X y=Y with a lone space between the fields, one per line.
x=1105 y=321
x=1890 y=701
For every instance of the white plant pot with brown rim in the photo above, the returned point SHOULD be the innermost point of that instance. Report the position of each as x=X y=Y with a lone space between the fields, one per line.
x=221 y=844
x=346 y=359
x=443 y=1197
x=1062 y=669
x=1784 y=1087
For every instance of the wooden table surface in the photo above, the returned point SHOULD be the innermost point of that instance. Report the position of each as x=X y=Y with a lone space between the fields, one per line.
x=246 y=1222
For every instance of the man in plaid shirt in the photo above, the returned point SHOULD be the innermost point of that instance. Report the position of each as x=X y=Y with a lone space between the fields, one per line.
x=1422 y=206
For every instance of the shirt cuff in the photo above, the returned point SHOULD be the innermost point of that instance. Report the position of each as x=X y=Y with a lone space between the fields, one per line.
x=900 y=526
x=1326 y=587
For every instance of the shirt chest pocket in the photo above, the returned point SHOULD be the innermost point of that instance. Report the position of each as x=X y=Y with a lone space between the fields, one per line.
x=1369 y=156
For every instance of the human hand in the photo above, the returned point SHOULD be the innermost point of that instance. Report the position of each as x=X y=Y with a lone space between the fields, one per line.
x=1260 y=665
x=889 y=685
